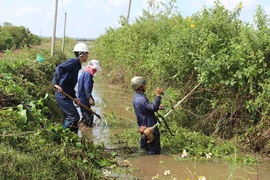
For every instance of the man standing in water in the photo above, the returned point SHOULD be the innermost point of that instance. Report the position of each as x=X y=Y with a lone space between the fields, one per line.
x=65 y=79
x=85 y=87
x=145 y=113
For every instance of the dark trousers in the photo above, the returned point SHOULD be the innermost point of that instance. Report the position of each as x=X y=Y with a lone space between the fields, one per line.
x=88 y=117
x=154 y=145
x=69 y=111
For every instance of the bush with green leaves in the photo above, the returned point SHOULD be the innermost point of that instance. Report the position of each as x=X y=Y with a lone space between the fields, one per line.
x=14 y=37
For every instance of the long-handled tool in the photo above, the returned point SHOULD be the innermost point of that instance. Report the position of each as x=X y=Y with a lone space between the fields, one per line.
x=179 y=102
x=148 y=132
x=82 y=105
x=163 y=119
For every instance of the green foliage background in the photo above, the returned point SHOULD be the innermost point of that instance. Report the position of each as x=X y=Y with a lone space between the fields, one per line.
x=213 y=47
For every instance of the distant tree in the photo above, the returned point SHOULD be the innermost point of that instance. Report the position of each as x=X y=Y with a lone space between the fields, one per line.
x=16 y=37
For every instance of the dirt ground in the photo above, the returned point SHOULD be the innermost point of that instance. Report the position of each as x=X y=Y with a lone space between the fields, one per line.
x=86 y=132
x=2 y=55
x=16 y=51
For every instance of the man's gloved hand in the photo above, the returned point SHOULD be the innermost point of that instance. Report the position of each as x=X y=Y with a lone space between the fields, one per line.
x=159 y=91
x=91 y=102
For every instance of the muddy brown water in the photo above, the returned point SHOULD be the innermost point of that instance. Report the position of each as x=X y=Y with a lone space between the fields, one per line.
x=110 y=99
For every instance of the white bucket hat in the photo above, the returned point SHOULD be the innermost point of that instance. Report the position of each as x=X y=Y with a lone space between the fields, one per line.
x=95 y=64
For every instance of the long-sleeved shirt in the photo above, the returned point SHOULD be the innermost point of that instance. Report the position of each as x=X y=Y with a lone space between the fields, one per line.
x=145 y=110
x=66 y=75
x=85 y=87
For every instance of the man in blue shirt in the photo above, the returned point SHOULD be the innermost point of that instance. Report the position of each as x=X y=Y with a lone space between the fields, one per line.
x=85 y=87
x=145 y=113
x=65 y=80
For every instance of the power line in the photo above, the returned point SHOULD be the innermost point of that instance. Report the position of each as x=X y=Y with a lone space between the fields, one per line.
x=114 y=7
x=74 y=19
x=63 y=6
x=86 y=26
x=82 y=24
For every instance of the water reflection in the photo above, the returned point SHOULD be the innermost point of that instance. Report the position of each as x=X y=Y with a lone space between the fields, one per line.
x=150 y=166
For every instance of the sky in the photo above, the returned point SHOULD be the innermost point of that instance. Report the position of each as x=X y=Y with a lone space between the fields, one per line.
x=91 y=18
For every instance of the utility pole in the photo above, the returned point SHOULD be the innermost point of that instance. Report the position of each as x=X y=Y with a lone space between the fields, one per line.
x=54 y=28
x=129 y=6
x=63 y=42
